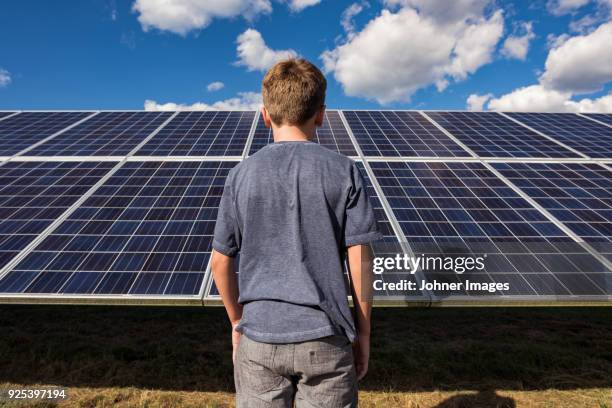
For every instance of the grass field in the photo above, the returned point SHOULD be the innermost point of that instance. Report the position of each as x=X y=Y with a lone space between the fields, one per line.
x=175 y=357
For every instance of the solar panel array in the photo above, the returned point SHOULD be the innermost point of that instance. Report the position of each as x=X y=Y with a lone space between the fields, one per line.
x=22 y=131
x=147 y=230
x=400 y=134
x=106 y=134
x=34 y=194
x=602 y=117
x=586 y=136
x=332 y=135
x=5 y=114
x=492 y=135
x=579 y=195
x=201 y=134
x=120 y=206
x=463 y=208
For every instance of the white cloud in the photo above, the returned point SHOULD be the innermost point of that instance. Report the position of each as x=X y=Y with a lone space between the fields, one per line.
x=5 y=78
x=581 y=64
x=299 y=5
x=475 y=46
x=443 y=10
x=575 y=65
x=600 y=14
x=476 y=102
x=244 y=101
x=517 y=46
x=256 y=55
x=215 y=86
x=602 y=105
x=584 y=24
x=399 y=52
x=183 y=16
x=555 y=41
x=349 y=14
x=537 y=98
x=560 y=7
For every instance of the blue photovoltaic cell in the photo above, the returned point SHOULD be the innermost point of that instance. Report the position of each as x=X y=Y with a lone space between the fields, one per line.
x=3 y=114
x=579 y=195
x=211 y=133
x=106 y=134
x=490 y=134
x=463 y=209
x=584 y=135
x=332 y=135
x=27 y=128
x=602 y=117
x=34 y=194
x=146 y=231
x=400 y=133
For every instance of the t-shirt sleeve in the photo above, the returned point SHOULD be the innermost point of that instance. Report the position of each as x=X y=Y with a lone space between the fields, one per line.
x=360 y=226
x=227 y=233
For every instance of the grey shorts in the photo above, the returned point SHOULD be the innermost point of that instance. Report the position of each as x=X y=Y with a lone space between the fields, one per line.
x=318 y=373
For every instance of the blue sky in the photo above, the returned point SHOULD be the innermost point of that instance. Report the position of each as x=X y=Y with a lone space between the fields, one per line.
x=105 y=54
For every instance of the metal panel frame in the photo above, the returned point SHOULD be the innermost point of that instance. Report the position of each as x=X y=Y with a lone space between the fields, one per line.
x=594 y=120
x=9 y=116
x=249 y=141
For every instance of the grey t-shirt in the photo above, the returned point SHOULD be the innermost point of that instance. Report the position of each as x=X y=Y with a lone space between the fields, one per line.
x=291 y=210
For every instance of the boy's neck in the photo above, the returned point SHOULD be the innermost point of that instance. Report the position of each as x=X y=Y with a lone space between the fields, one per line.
x=292 y=134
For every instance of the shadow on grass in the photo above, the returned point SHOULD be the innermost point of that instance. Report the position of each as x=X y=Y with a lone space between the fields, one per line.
x=487 y=398
x=188 y=349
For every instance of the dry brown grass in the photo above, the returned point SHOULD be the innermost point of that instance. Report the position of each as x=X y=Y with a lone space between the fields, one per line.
x=180 y=357
x=133 y=397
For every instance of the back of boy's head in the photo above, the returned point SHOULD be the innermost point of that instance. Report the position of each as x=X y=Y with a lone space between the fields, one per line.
x=293 y=92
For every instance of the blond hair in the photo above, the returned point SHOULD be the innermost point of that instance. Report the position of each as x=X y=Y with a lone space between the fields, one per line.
x=293 y=91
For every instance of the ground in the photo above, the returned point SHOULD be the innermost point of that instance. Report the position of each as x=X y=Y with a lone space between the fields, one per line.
x=180 y=357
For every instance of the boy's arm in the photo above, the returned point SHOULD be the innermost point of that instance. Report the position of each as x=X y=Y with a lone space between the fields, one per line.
x=360 y=272
x=222 y=267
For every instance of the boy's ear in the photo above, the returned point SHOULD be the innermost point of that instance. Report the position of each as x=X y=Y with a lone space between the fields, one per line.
x=320 y=117
x=266 y=117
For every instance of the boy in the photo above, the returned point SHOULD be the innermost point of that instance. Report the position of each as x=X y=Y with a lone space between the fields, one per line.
x=293 y=210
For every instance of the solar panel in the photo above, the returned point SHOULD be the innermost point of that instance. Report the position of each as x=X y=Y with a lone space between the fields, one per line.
x=463 y=209
x=579 y=195
x=381 y=133
x=210 y=133
x=144 y=236
x=602 y=117
x=5 y=113
x=106 y=134
x=586 y=136
x=34 y=194
x=490 y=134
x=332 y=135
x=23 y=130
x=146 y=232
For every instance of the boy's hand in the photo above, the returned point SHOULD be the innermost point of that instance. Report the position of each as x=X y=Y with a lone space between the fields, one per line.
x=235 y=341
x=361 y=352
